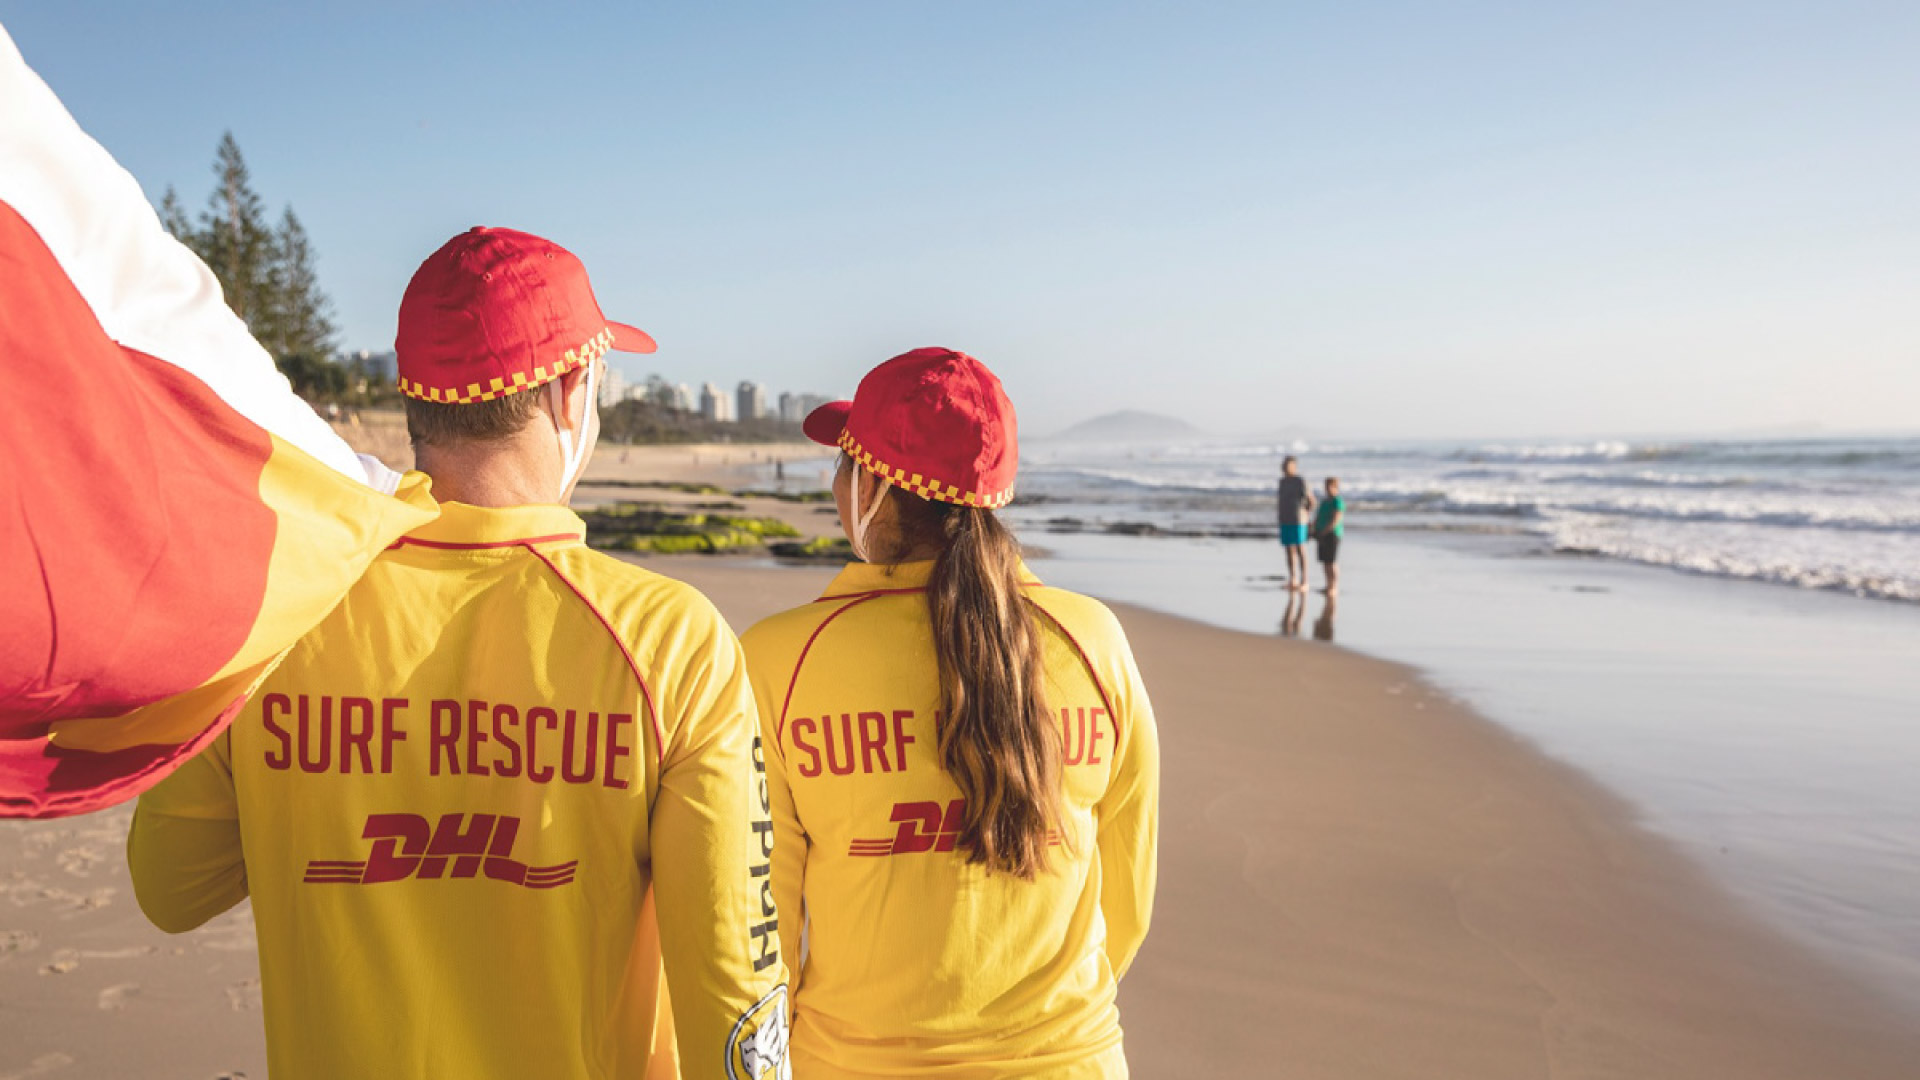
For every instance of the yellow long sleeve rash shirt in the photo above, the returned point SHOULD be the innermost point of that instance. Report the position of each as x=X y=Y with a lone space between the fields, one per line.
x=460 y=802
x=919 y=963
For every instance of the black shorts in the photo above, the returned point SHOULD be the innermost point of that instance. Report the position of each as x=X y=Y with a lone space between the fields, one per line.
x=1329 y=547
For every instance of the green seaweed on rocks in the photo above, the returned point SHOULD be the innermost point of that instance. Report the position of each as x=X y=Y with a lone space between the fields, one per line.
x=817 y=496
x=649 y=527
x=818 y=549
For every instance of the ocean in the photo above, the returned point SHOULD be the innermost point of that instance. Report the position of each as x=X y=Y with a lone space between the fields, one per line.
x=1840 y=514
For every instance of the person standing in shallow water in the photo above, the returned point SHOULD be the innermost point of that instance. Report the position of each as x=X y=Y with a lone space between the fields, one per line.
x=962 y=763
x=1296 y=511
x=1329 y=525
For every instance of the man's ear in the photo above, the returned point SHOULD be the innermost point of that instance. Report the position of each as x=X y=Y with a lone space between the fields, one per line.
x=572 y=385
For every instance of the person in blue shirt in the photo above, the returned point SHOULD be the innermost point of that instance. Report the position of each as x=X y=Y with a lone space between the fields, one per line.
x=1329 y=524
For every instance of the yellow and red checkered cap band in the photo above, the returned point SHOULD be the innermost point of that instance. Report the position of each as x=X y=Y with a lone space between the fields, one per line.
x=924 y=486
x=499 y=387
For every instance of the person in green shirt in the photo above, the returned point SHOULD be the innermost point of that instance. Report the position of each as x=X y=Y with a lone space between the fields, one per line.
x=1329 y=524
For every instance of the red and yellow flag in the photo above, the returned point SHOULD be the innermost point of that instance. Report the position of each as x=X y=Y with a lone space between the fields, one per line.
x=172 y=516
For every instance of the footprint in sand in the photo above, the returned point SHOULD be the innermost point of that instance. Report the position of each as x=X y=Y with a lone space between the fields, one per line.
x=64 y=960
x=128 y=953
x=45 y=1063
x=35 y=892
x=79 y=861
x=17 y=941
x=76 y=902
x=114 y=998
x=37 y=844
x=244 y=995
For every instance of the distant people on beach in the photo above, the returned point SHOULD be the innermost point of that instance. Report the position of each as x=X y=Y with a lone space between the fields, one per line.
x=1296 y=511
x=963 y=762
x=484 y=803
x=1329 y=524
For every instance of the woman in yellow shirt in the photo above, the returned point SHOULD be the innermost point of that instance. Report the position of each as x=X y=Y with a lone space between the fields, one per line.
x=962 y=763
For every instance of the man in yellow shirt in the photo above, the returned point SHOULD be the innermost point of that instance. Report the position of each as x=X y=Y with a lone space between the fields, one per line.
x=461 y=801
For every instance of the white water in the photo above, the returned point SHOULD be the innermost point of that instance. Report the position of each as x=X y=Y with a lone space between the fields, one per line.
x=1840 y=514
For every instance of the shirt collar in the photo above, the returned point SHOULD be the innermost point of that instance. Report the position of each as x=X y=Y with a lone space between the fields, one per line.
x=861 y=578
x=464 y=526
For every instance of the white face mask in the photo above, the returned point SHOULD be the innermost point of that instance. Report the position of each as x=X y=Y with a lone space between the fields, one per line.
x=861 y=521
x=573 y=456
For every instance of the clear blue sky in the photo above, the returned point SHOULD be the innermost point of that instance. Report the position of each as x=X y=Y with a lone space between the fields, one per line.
x=1446 y=219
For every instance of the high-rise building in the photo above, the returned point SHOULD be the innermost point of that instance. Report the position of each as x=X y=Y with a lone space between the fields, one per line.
x=795 y=407
x=683 y=397
x=752 y=400
x=613 y=388
x=714 y=403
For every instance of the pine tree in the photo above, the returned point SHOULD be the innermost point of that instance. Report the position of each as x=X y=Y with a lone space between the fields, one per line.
x=301 y=315
x=266 y=274
x=174 y=217
x=236 y=243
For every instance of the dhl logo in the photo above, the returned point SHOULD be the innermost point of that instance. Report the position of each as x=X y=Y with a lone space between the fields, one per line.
x=459 y=846
x=923 y=826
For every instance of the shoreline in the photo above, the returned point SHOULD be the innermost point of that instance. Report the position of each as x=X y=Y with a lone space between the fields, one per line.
x=1760 y=730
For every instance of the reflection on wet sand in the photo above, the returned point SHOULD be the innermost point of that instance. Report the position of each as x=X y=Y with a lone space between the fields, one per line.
x=1323 y=626
x=1296 y=610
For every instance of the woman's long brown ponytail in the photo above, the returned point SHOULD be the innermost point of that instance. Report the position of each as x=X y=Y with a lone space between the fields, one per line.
x=996 y=737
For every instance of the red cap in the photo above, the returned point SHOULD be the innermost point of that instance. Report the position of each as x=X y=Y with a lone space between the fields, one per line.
x=933 y=421
x=496 y=311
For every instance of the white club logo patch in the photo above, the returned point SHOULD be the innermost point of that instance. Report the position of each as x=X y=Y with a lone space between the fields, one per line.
x=757 y=1046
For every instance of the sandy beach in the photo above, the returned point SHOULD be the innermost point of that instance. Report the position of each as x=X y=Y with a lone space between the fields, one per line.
x=1359 y=878
x=383 y=433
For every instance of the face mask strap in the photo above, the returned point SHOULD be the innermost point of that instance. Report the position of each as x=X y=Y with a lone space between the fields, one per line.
x=572 y=455
x=861 y=521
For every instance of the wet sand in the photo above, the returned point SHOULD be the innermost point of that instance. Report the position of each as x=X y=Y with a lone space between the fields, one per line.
x=1361 y=878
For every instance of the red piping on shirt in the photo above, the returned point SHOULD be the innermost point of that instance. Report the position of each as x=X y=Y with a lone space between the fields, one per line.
x=780 y=728
x=867 y=594
x=659 y=736
x=901 y=591
x=450 y=545
x=1113 y=718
